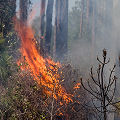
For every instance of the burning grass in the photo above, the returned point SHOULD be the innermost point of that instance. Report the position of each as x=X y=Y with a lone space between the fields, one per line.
x=58 y=82
x=44 y=70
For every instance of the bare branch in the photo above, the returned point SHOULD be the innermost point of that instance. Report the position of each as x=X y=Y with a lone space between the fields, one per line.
x=89 y=90
x=92 y=89
x=91 y=75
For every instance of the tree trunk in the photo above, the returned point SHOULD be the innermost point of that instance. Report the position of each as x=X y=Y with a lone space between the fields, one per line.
x=49 y=15
x=108 y=15
x=23 y=10
x=91 y=28
x=42 y=27
x=54 y=37
x=42 y=16
x=62 y=28
x=81 y=19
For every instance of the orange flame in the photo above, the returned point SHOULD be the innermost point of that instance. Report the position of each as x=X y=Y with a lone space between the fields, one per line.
x=44 y=71
x=77 y=86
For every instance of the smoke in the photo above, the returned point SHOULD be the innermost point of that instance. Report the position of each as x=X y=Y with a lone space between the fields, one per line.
x=100 y=29
x=84 y=50
x=106 y=35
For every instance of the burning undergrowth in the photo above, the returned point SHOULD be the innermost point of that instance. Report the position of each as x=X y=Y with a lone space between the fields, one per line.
x=28 y=100
x=44 y=70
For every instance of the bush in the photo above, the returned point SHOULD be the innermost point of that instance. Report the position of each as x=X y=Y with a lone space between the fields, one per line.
x=22 y=99
x=7 y=67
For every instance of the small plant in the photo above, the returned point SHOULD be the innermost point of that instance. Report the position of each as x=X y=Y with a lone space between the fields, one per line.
x=22 y=99
x=4 y=67
x=101 y=87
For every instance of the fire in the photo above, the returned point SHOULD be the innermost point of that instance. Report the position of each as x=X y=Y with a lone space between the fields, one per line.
x=77 y=86
x=44 y=70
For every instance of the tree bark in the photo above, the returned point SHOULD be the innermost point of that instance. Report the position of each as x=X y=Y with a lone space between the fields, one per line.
x=42 y=27
x=81 y=19
x=49 y=15
x=23 y=10
x=62 y=28
x=42 y=16
x=54 y=37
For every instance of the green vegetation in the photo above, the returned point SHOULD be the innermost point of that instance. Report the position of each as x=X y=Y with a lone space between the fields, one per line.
x=7 y=12
x=21 y=97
